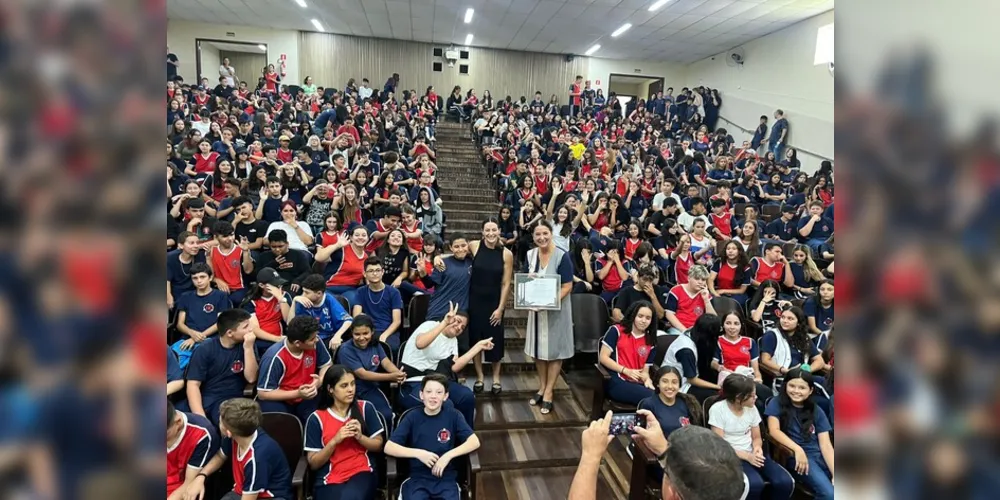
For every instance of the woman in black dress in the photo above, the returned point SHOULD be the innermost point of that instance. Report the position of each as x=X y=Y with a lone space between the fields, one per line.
x=492 y=267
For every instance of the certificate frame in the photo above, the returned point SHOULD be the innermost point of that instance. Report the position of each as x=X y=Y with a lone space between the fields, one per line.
x=522 y=282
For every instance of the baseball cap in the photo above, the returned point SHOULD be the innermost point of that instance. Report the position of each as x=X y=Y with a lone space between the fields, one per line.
x=283 y=138
x=268 y=276
x=787 y=209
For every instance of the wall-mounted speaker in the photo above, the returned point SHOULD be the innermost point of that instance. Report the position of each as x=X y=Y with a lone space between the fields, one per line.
x=569 y=57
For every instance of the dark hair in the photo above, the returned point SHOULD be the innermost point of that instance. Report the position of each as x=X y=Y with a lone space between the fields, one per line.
x=301 y=328
x=798 y=338
x=629 y=319
x=200 y=267
x=694 y=407
x=736 y=387
x=277 y=235
x=314 y=282
x=705 y=334
x=742 y=259
x=171 y=413
x=242 y=200
x=195 y=203
x=325 y=400
x=273 y=179
x=435 y=377
x=701 y=465
x=363 y=320
x=230 y=319
x=805 y=415
x=223 y=228
x=770 y=245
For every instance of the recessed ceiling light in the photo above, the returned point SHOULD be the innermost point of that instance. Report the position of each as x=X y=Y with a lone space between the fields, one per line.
x=468 y=39
x=319 y=27
x=657 y=5
x=262 y=47
x=302 y=3
x=621 y=30
x=468 y=16
x=591 y=50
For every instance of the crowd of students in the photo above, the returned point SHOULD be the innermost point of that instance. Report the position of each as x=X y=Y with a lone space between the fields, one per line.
x=303 y=220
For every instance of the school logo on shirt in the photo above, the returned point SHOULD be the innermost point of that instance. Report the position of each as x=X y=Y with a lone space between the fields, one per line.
x=237 y=366
x=444 y=435
x=698 y=310
x=774 y=274
x=307 y=361
x=643 y=350
x=826 y=228
x=745 y=349
x=208 y=308
x=828 y=321
x=812 y=429
x=375 y=360
x=234 y=264
x=685 y=421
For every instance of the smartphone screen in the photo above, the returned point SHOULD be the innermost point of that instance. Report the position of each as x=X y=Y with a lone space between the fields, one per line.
x=624 y=424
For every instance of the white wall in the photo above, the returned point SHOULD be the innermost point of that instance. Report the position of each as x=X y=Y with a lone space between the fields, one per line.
x=182 y=34
x=210 y=62
x=778 y=73
x=601 y=69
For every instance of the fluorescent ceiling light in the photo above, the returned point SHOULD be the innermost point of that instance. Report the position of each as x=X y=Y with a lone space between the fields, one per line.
x=262 y=47
x=302 y=3
x=621 y=30
x=468 y=16
x=468 y=39
x=657 y=5
x=591 y=50
x=319 y=27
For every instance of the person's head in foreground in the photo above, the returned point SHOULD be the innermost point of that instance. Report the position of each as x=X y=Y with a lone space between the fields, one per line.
x=700 y=465
x=239 y=417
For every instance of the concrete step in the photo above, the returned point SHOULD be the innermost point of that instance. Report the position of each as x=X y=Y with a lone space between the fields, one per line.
x=481 y=195
x=488 y=206
x=470 y=214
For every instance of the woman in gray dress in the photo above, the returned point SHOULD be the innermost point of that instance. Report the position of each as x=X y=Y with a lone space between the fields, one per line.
x=550 y=333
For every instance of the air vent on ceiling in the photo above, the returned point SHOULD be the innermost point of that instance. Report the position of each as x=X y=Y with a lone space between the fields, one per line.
x=231 y=33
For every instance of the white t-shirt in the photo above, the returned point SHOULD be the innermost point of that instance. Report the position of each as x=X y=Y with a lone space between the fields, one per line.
x=427 y=359
x=293 y=236
x=686 y=220
x=737 y=430
x=659 y=198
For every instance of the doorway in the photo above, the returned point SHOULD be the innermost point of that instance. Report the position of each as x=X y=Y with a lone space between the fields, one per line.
x=634 y=86
x=246 y=59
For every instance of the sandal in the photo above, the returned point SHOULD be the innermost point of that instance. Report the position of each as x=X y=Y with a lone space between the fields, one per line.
x=496 y=389
x=477 y=388
x=535 y=400
x=546 y=407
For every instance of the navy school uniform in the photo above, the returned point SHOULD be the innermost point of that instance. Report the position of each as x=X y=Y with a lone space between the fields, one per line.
x=818 y=478
x=350 y=472
x=670 y=418
x=437 y=434
x=203 y=310
x=799 y=275
x=821 y=231
x=630 y=352
x=638 y=206
x=179 y=274
x=260 y=469
x=272 y=209
x=452 y=285
x=196 y=445
x=379 y=306
x=220 y=372
x=370 y=359
x=174 y=371
x=282 y=370
x=823 y=315
x=785 y=231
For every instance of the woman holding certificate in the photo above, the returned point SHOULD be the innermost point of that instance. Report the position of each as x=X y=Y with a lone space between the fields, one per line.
x=550 y=333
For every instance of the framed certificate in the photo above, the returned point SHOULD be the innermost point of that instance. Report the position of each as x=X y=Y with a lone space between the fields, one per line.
x=537 y=291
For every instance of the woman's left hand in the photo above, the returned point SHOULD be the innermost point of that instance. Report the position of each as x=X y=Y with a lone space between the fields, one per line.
x=497 y=316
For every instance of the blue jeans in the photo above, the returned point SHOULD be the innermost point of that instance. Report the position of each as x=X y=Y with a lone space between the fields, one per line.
x=624 y=391
x=781 y=482
x=777 y=149
x=818 y=478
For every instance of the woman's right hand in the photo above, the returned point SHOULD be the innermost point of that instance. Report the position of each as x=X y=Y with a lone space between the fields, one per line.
x=801 y=462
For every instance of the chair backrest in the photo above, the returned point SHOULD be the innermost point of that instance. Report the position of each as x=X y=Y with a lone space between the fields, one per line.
x=707 y=405
x=286 y=430
x=788 y=248
x=344 y=303
x=739 y=209
x=726 y=305
x=770 y=212
x=590 y=321
x=663 y=343
x=416 y=313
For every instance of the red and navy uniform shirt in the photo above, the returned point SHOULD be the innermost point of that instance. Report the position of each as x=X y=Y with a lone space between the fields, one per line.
x=437 y=434
x=682 y=265
x=373 y=227
x=262 y=468
x=629 y=246
x=649 y=184
x=349 y=458
x=282 y=370
x=268 y=313
x=285 y=155
x=345 y=267
x=613 y=281
x=205 y=164
x=196 y=444
x=627 y=350
x=724 y=223
x=416 y=245
x=726 y=274
x=229 y=266
x=687 y=307
x=326 y=239
x=761 y=271
x=735 y=354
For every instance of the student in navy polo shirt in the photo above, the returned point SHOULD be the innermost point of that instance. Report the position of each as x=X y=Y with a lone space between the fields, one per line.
x=291 y=370
x=191 y=442
x=784 y=228
x=179 y=264
x=222 y=366
x=316 y=302
x=451 y=278
x=269 y=209
x=371 y=365
x=797 y=423
x=260 y=469
x=431 y=437
x=383 y=304
x=779 y=134
x=815 y=228
x=198 y=310
x=819 y=311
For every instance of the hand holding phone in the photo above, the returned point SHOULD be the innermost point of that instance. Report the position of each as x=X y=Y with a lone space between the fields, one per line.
x=624 y=424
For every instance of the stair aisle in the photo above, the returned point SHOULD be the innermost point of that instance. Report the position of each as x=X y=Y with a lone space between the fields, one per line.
x=524 y=455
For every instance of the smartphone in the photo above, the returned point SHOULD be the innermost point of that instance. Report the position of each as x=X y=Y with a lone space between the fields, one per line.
x=624 y=424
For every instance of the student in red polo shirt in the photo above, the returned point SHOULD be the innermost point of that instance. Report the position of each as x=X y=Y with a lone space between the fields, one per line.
x=625 y=350
x=575 y=90
x=291 y=371
x=685 y=303
x=772 y=266
x=341 y=435
x=229 y=262
x=191 y=441
x=730 y=276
